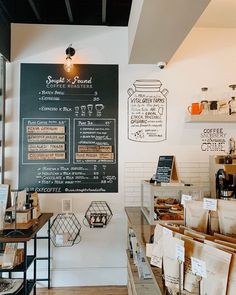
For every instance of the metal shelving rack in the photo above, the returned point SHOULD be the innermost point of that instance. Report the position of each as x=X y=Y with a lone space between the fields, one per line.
x=29 y=285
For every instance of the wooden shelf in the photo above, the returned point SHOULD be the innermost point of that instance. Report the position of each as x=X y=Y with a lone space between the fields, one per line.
x=143 y=231
x=139 y=286
x=20 y=267
x=210 y=118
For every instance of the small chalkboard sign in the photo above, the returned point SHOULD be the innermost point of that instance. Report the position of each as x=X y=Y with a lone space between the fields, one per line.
x=166 y=169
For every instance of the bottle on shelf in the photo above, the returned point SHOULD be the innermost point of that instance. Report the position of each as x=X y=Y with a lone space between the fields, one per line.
x=232 y=102
x=204 y=101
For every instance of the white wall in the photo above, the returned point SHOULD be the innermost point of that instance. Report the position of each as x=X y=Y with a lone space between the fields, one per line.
x=207 y=58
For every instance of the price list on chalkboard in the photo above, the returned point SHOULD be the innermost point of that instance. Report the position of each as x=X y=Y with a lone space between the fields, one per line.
x=68 y=128
x=165 y=168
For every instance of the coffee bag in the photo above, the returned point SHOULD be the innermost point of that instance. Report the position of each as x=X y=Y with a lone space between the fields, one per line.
x=195 y=216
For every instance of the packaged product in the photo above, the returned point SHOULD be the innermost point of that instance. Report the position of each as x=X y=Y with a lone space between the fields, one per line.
x=227 y=217
x=192 y=249
x=214 y=222
x=196 y=216
x=224 y=238
x=171 y=265
x=157 y=249
x=217 y=268
x=232 y=276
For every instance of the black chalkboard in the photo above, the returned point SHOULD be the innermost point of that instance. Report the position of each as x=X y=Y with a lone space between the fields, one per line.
x=165 y=168
x=5 y=36
x=68 y=128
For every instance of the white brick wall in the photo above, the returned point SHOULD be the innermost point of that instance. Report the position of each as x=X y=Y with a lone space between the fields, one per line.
x=196 y=173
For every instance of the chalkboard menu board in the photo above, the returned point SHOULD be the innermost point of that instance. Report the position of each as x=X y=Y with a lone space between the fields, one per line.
x=68 y=128
x=165 y=168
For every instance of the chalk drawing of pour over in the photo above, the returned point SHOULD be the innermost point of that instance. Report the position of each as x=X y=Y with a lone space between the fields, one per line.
x=99 y=107
x=83 y=110
x=90 y=109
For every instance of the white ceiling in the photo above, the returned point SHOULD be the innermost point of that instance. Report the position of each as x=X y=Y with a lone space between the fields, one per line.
x=158 y=27
x=218 y=14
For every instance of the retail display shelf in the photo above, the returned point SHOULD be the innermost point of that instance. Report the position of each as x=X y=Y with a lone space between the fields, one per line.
x=210 y=118
x=20 y=267
x=30 y=285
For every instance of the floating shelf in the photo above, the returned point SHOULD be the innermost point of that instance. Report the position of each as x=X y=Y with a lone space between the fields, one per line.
x=210 y=118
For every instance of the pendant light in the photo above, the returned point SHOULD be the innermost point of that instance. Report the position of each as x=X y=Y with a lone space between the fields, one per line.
x=68 y=65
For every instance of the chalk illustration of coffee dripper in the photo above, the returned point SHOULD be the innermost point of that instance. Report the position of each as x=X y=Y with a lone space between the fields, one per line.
x=90 y=109
x=99 y=107
x=76 y=109
x=83 y=110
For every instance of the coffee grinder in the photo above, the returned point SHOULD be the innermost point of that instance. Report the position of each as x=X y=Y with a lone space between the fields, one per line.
x=225 y=185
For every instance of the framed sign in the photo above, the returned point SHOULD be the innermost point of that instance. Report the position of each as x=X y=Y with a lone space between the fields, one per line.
x=69 y=128
x=166 y=169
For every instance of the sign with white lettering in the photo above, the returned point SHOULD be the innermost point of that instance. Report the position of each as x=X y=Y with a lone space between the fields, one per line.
x=68 y=128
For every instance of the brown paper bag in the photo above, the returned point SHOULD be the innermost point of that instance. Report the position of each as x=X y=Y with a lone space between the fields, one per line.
x=224 y=238
x=227 y=244
x=227 y=217
x=171 y=265
x=217 y=267
x=232 y=276
x=192 y=249
x=157 y=249
x=214 y=222
x=231 y=286
x=196 y=217
x=219 y=246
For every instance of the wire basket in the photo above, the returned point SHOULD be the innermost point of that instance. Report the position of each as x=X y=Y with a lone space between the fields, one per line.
x=98 y=214
x=65 y=230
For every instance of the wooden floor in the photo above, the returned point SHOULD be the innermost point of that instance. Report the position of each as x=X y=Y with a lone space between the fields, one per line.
x=98 y=290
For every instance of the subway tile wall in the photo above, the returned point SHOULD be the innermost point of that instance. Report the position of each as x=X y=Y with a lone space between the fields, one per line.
x=196 y=173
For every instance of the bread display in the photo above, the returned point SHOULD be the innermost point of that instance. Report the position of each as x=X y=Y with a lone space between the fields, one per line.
x=168 y=209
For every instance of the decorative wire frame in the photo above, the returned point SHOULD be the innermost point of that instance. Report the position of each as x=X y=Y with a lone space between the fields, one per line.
x=65 y=230
x=98 y=214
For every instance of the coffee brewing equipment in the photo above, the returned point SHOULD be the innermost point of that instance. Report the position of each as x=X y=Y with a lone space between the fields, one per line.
x=225 y=185
x=226 y=176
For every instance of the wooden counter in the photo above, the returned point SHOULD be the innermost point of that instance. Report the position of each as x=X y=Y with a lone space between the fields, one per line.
x=143 y=231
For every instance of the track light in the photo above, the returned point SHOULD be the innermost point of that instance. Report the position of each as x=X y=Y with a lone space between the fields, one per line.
x=68 y=65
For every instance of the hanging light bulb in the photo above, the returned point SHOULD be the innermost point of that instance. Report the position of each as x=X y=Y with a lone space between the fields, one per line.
x=68 y=65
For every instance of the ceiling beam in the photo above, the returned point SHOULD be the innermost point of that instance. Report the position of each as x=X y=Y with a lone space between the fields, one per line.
x=5 y=12
x=35 y=10
x=104 y=12
x=158 y=27
x=69 y=11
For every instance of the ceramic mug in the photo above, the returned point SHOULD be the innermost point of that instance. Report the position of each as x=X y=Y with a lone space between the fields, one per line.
x=195 y=108
x=214 y=105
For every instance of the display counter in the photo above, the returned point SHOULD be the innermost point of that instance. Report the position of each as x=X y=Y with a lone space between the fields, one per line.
x=143 y=231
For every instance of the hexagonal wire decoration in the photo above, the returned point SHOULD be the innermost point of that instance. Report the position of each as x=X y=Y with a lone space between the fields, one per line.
x=98 y=214
x=65 y=230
